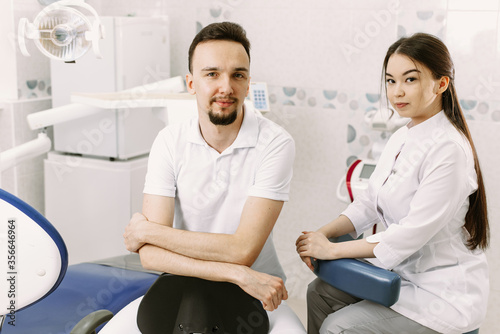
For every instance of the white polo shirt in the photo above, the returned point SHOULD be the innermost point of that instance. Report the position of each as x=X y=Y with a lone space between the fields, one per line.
x=419 y=191
x=211 y=188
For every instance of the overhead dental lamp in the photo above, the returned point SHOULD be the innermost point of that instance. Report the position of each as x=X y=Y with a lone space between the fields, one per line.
x=64 y=30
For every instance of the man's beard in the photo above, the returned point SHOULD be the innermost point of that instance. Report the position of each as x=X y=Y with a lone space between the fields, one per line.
x=223 y=119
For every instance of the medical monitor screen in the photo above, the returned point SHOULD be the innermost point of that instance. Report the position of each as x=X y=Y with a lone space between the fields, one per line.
x=366 y=171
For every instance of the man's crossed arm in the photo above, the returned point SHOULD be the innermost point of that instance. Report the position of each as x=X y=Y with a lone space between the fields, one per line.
x=211 y=256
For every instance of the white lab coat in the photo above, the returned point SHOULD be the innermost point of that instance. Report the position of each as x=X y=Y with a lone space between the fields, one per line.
x=419 y=191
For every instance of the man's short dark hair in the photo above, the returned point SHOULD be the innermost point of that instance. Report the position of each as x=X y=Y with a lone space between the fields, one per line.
x=224 y=31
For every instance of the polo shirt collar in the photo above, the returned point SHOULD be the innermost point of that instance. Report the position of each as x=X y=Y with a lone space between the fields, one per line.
x=247 y=136
x=249 y=130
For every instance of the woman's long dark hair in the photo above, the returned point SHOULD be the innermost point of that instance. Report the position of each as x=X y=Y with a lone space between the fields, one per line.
x=431 y=52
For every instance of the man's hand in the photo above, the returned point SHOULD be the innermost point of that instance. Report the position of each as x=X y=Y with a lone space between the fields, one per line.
x=270 y=290
x=133 y=232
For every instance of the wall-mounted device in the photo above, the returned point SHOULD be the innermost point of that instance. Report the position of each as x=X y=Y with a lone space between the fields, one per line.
x=260 y=96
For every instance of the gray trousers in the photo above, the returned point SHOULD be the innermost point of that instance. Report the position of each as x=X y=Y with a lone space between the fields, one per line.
x=331 y=311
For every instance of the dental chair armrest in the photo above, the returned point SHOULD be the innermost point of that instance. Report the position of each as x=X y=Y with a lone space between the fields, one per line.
x=91 y=321
x=360 y=279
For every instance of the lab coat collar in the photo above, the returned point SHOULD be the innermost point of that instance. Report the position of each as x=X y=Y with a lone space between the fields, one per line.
x=433 y=126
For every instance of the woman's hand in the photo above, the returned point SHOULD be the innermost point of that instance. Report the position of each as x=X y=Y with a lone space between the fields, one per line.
x=314 y=245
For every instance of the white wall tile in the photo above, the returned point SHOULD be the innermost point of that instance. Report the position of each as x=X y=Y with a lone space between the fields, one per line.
x=33 y=72
x=8 y=80
x=427 y=21
x=474 y=51
x=25 y=180
x=363 y=4
x=373 y=31
x=311 y=206
x=491 y=5
x=6 y=126
x=486 y=136
x=490 y=324
x=278 y=56
x=494 y=250
x=423 y=5
x=319 y=136
x=329 y=47
x=7 y=177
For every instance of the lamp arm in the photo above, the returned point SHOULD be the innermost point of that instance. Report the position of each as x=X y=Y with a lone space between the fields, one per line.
x=29 y=150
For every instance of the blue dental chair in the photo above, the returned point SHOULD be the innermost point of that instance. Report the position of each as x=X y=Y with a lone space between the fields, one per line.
x=362 y=280
x=48 y=296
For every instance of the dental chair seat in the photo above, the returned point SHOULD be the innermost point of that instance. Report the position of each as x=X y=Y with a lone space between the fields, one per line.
x=50 y=296
x=362 y=280
x=86 y=288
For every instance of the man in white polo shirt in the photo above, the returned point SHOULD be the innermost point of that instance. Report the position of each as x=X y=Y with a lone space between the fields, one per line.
x=215 y=186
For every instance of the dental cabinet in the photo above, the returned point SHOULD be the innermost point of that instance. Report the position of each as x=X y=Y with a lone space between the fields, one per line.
x=135 y=52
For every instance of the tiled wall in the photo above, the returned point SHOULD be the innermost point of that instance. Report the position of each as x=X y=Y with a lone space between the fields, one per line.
x=31 y=79
x=318 y=168
x=324 y=57
x=487 y=140
x=33 y=72
x=328 y=54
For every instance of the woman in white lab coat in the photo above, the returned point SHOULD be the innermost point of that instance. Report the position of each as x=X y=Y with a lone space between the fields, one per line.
x=427 y=190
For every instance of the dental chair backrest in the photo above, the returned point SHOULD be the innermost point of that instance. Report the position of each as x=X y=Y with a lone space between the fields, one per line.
x=33 y=256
